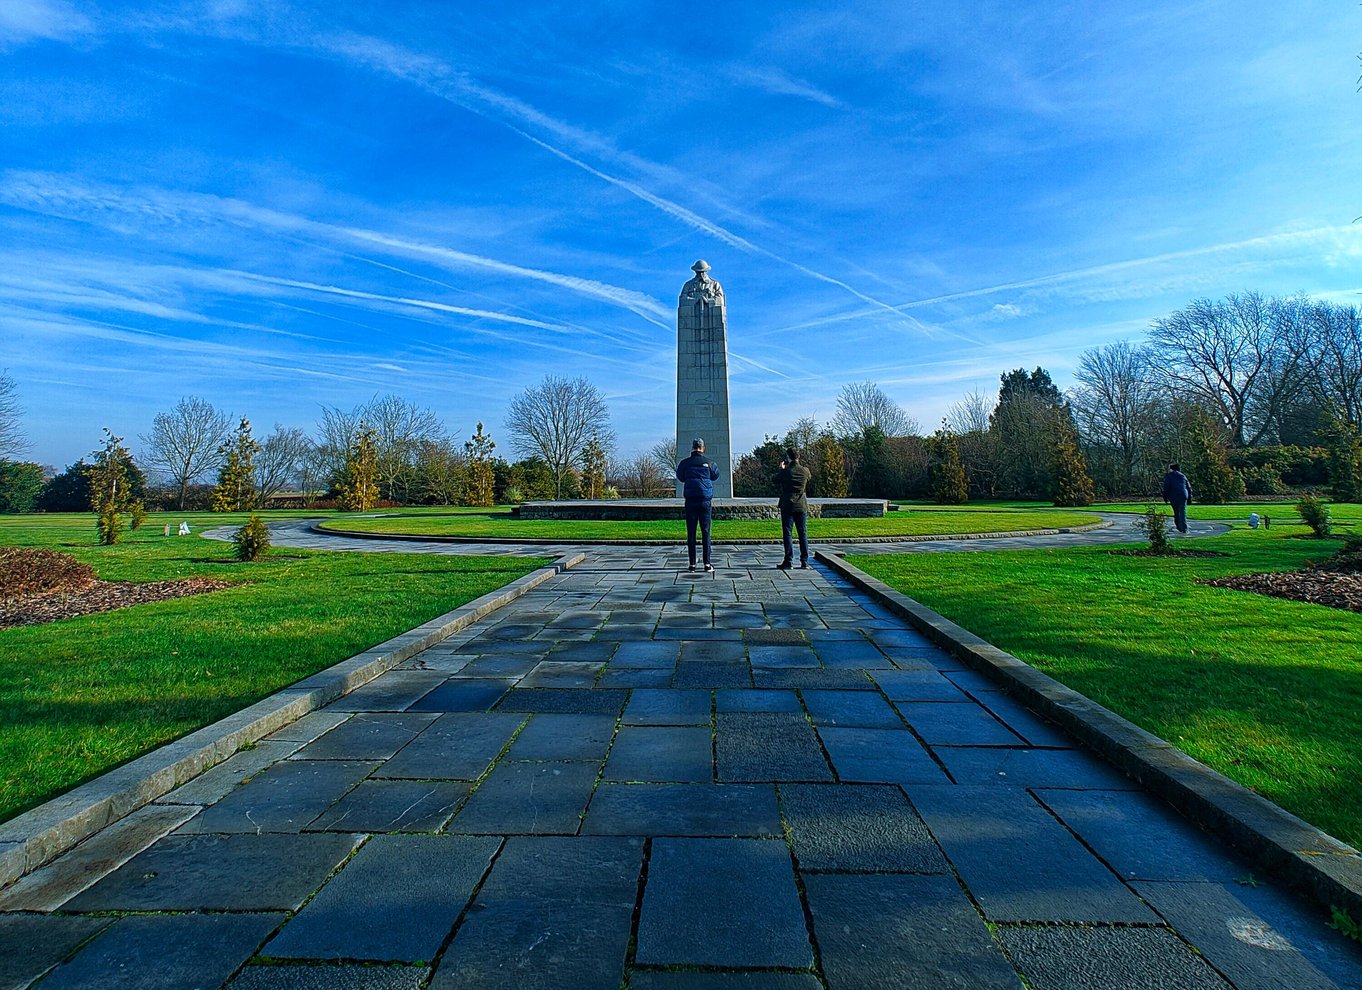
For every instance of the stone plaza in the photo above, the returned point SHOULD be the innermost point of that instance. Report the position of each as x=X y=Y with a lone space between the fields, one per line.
x=633 y=776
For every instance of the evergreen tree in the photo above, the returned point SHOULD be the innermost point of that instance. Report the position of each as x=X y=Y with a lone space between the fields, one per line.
x=21 y=482
x=593 y=468
x=1344 y=443
x=1206 y=462
x=111 y=493
x=1073 y=484
x=871 y=464
x=358 y=490
x=481 y=472
x=948 y=472
x=236 y=490
x=828 y=462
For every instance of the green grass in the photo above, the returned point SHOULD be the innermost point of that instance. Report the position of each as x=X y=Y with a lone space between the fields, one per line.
x=1266 y=691
x=1344 y=513
x=83 y=695
x=918 y=521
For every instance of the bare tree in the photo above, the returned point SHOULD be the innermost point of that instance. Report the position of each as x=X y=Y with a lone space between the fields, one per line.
x=642 y=476
x=280 y=461
x=400 y=428
x=863 y=405
x=554 y=419
x=12 y=441
x=184 y=443
x=1222 y=354
x=665 y=454
x=971 y=414
x=1337 y=339
x=803 y=433
x=335 y=432
x=443 y=471
x=1112 y=401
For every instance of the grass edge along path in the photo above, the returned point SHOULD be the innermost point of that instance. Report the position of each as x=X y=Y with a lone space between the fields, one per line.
x=87 y=694
x=1266 y=691
x=500 y=525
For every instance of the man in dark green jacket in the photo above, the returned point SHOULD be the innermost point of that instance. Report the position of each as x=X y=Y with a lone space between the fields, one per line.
x=791 y=481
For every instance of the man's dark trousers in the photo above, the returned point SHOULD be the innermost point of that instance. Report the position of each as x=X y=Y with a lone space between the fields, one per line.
x=698 y=512
x=1179 y=515
x=789 y=520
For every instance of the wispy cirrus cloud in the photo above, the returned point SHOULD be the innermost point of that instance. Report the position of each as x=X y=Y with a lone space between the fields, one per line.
x=22 y=21
x=776 y=82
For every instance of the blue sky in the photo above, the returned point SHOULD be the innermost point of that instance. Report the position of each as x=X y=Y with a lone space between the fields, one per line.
x=280 y=206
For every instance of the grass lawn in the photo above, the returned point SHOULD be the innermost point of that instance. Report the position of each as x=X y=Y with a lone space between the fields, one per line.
x=1266 y=691
x=83 y=695
x=1343 y=513
x=918 y=521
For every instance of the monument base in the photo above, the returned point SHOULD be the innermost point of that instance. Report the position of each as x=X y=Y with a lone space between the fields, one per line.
x=674 y=508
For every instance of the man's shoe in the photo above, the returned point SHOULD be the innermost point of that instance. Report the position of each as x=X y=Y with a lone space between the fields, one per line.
x=784 y=565
x=709 y=568
x=691 y=567
x=803 y=565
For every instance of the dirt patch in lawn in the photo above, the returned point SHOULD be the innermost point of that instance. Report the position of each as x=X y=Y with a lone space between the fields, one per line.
x=101 y=596
x=1336 y=583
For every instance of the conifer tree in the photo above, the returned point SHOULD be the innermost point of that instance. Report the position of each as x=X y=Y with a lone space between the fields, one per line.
x=829 y=465
x=481 y=472
x=236 y=490
x=1073 y=484
x=359 y=480
x=1344 y=443
x=593 y=469
x=110 y=489
x=948 y=472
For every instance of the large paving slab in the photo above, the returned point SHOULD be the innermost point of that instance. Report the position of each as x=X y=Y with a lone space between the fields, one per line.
x=757 y=781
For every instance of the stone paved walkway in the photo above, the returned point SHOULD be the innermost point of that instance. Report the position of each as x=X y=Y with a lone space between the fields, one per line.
x=639 y=777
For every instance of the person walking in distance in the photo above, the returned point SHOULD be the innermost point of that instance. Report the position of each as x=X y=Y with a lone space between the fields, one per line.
x=792 y=481
x=1177 y=492
x=697 y=474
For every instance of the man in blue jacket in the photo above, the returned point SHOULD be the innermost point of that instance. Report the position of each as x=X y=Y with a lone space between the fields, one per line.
x=1177 y=492
x=698 y=474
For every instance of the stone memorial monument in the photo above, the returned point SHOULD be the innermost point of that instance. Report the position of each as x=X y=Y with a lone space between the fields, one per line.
x=702 y=375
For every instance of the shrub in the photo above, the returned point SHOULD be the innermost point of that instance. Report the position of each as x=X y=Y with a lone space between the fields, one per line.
x=109 y=526
x=512 y=496
x=1153 y=525
x=610 y=492
x=1264 y=481
x=1315 y=514
x=26 y=571
x=252 y=540
x=137 y=515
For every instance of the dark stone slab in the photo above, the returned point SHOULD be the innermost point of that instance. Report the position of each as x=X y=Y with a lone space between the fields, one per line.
x=863 y=709
x=1241 y=945
x=498 y=667
x=528 y=798
x=630 y=677
x=889 y=932
x=900 y=637
x=722 y=902
x=564 y=737
x=562 y=674
x=31 y=944
x=783 y=656
x=817 y=635
x=730 y=617
x=667 y=707
x=971 y=681
x=774 y=637
x=644 y=979
x=367 y=736
x=1142 y=838
x=721 y=651
x=1300 y=921
x=554 y=912
x=152 y=953
x=267 y=872
x=393 y=806
x=1026 y=723
x=284 y=798
x=457 y=746
x=394 y=691
x=852 y=654
x=394 y=902
x=709 y=676
x=683 y=809
x=596 y=652
x=646 y=653
x=1031 y=768
x=785 y=679
x=328 y=977
x=946 y=723
x=665 y=631
x=464 y=694
x=768 y=746
x=857 y=828
x=656 y=753
x=1019 y=863
x=1107 y=959
x=751 y=700
x=307 y=728
x=565 y=700
x=917 y=685
x=880 y=756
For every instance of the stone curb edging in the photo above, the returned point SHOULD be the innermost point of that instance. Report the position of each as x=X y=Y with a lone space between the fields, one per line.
x=757 y=541
x=41 y=834
x=1309 y=859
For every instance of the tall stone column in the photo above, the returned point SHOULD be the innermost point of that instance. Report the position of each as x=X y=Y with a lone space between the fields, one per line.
x=702 y=375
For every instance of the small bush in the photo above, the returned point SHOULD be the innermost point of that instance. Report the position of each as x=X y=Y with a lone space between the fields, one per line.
x=610 y=491
x=109 y=526
x=252 y=540
x=25 y=571
x=1315 y=514
x=1154 y=527
x=137 y=515
x=512 y=496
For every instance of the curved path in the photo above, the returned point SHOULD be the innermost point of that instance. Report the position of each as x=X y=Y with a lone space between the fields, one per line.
x=632 y=775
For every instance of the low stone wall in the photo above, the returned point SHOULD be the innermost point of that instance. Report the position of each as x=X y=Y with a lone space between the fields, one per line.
x=674 y=508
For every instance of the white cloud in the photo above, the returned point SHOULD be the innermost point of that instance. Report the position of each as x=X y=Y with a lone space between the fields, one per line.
x=28 y=20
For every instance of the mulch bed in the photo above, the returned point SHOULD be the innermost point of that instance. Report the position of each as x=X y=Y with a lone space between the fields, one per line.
x=1337 y=589
x=102 y=596
x=1175 y=552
